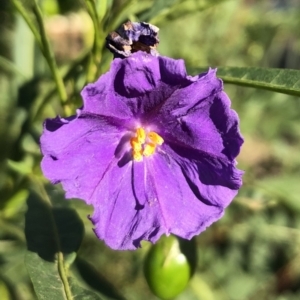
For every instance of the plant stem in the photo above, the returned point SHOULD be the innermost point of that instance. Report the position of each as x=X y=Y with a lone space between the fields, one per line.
x=19 y=7
x=95 y=59
x=38 y=107
x=49 y=55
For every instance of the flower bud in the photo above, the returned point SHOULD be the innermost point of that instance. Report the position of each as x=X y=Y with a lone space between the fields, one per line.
x=169 y=265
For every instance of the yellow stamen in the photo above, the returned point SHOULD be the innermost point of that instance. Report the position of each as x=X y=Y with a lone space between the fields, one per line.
x=141 y=135
x=155 y=138
x=149 y=149
x=135 y=144
x=142 y=148
x=137 y=155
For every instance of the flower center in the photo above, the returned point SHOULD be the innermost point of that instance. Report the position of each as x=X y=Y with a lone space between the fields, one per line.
x=144 y=144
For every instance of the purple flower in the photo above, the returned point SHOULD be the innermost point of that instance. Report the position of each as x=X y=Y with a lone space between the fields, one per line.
x=131 y=37
x=152 y=149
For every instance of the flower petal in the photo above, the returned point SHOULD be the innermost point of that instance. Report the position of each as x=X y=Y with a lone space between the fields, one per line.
x=78 y=152
x=185 y=213
x=135 y=86
x=214 y=180
x=125 y=213
x=99 y=98
x=142 y=73
x=199 y=117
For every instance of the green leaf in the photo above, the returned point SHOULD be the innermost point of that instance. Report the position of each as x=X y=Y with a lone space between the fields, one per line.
x=286 y=189
x=96 y=280
x=164 y=11
x=53 y=236
x=101 y=8
x=201 y=288
x=158 y=7
x=286 y=81
x=80 y=293
x=128 y=8
x=14 y=203
x=10 y=67
x=4 y=292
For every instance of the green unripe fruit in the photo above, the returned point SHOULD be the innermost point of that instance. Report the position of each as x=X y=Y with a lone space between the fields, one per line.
x=169 y=265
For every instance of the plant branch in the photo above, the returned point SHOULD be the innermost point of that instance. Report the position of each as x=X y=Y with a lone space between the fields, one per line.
x=49 y=55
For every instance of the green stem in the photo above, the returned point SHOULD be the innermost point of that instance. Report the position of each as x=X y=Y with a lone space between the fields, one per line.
x=38 y=107
x=63 y=275
x=97 y=47
x=119 y=15
x=90 y=69
x=6 y=64
x=19 y=7
x=49 y=55
x=12 y=229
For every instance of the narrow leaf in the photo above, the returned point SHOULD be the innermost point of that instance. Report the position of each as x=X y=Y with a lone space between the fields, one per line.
x=129 y=7
x=53 y=236
x=10 y=67
x=49 y=55
x=80 y=293
x=286 y=81
x=96 y=280
x=165 y=11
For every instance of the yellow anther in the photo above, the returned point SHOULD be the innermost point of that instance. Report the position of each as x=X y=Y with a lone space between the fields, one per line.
x=135 y=144
x=137 y=155
x=149 y=149
x=141 y=135
x=155 y=138
x=142 y=148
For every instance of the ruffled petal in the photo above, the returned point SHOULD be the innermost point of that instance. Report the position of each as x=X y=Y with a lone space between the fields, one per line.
x=199 y=117
x=135 y=87
x=215 y=180
x=142 y=73
x=183 y=214
x=126 y=211
x=99 y=98
x=166 y=193
x=78 y=152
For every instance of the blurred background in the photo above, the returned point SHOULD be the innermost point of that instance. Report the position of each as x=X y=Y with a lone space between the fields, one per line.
x=253 y=252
